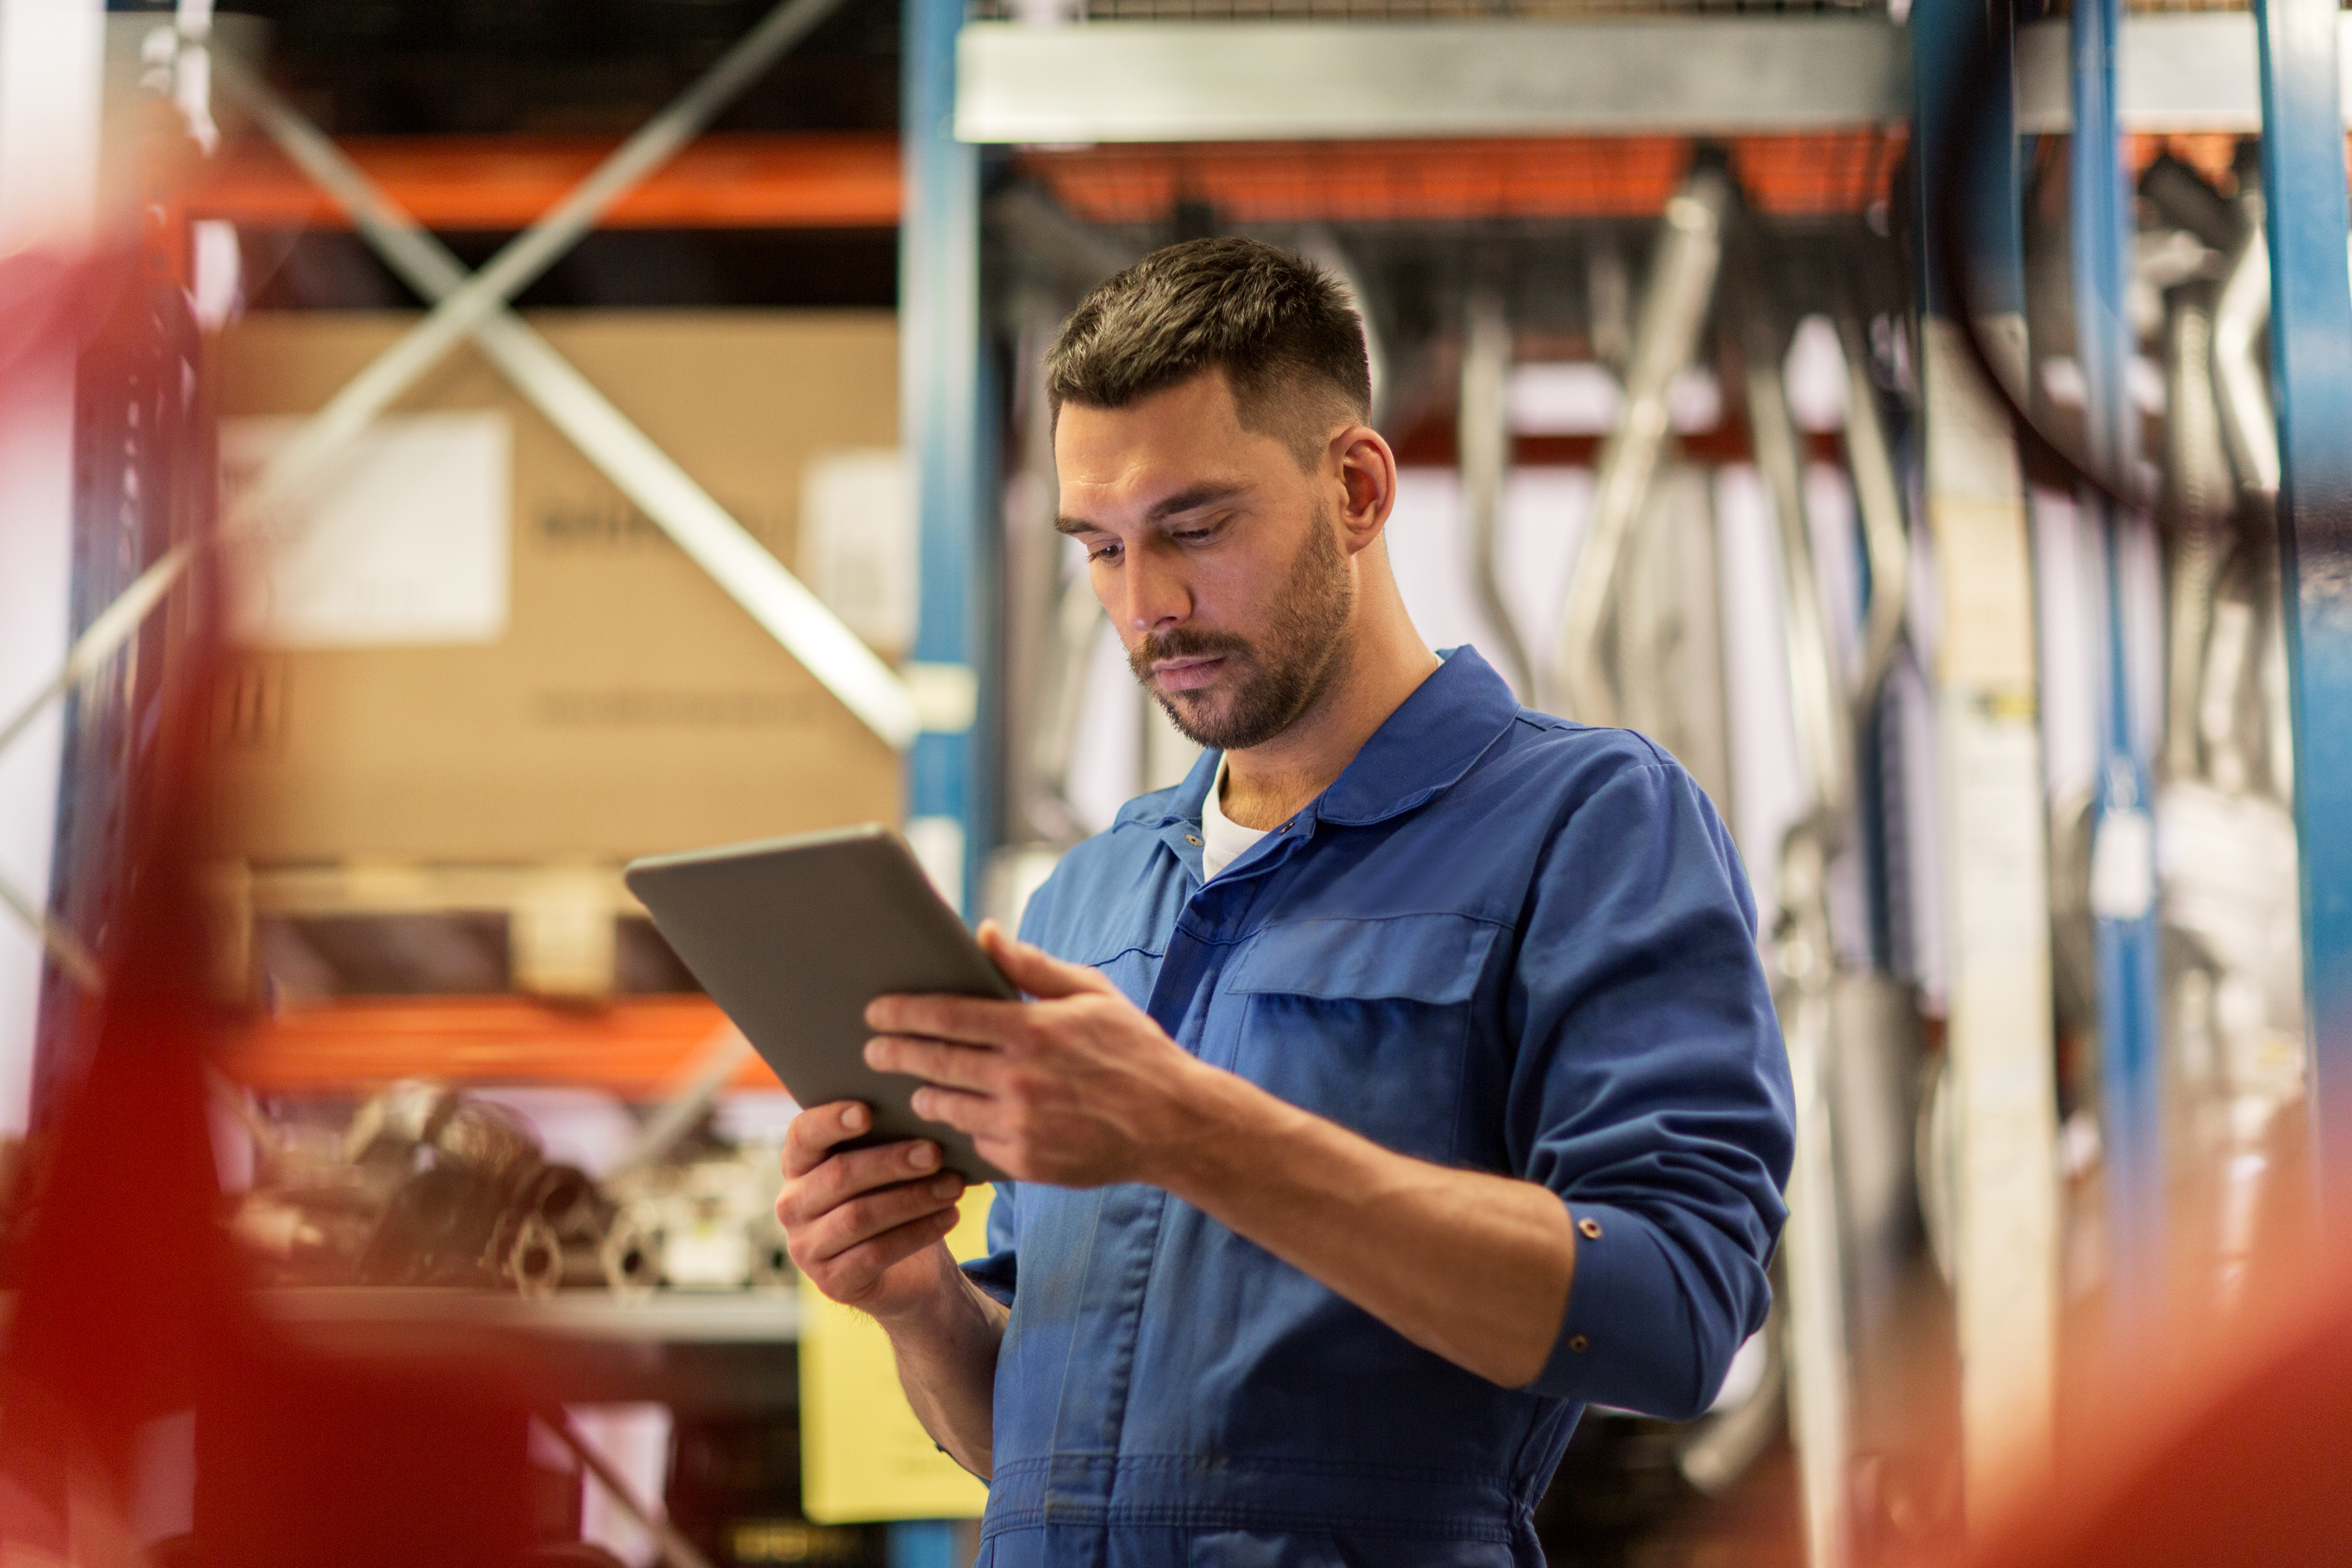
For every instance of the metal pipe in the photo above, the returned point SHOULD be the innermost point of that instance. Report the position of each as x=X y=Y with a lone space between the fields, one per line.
x=1482 y=445
x=1675 y=304
x=1819 y=1391
x=1879 y=498
x=1320 y=245
x=1817 y=701
x=1078 y=619
x=1804 y=946
x=2197 y=498
x=2239 y=320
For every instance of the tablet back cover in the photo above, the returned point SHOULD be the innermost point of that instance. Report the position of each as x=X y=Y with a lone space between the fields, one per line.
x=793 y=937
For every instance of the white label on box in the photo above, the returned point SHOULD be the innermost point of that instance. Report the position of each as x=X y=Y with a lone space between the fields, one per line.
x=404 y=539
x=857 y=542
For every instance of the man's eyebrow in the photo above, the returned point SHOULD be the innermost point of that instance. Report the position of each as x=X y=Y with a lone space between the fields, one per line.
x=1193 y=499
x=1182 y=502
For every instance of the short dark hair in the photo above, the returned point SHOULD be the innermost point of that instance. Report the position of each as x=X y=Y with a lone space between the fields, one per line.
x=1281 y=328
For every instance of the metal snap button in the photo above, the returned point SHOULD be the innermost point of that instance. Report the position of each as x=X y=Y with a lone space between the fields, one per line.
x=1579 y=1343
x=1192 y=838
x=1589 y=1228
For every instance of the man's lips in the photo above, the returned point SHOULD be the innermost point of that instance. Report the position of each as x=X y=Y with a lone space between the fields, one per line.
x=1187 y=674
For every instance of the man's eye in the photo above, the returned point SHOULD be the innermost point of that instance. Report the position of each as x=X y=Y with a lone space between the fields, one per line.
x=1103 y=552
x=1194 y=535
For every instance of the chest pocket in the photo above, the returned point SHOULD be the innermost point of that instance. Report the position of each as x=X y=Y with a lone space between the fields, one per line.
x=1128 y=960
x=1366 y=1022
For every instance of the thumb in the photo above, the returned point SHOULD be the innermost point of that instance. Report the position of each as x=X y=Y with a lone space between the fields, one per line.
x=1035 y=970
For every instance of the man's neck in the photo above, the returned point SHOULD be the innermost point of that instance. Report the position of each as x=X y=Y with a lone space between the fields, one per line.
x=1386 y=661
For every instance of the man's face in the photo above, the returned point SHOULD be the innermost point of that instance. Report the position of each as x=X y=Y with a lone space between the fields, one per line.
x=1216 y=555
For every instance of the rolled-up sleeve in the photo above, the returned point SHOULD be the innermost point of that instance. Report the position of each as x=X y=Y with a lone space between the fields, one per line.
x=1651 y=1092
x=998 y=1272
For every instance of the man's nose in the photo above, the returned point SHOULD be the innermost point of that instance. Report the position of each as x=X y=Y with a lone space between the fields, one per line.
x=1154 y=599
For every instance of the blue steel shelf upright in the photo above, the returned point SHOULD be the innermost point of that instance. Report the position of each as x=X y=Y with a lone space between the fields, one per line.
x=948 y=430
x=2311 y=373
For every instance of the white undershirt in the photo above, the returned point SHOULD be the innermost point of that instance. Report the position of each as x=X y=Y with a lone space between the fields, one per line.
x=1223 y=840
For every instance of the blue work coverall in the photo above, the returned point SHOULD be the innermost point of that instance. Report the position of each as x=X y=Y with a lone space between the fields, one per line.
x=1499 y=942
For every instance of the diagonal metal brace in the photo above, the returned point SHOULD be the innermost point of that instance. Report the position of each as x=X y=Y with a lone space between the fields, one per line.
x=748 y=572
x=471 y=299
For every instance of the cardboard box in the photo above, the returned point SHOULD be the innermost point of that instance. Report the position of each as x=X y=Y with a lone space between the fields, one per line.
x=622 y=704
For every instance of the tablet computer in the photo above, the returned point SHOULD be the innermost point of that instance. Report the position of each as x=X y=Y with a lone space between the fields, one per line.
x=793 y=937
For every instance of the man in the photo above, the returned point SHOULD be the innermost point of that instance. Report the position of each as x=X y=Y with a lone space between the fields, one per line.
x=1396 y=1084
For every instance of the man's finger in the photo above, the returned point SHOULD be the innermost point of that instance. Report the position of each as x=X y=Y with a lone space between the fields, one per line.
x=1035 y=970
x=811 y=1136
x=1005 y=1153
x=964 y=1020
x=956 y=1108
x=846 y=1175
x=853 y=1272
x=870 y=1214
x=958 y=1067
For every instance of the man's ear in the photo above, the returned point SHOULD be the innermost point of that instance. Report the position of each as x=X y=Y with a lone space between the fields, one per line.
x=1368 y=478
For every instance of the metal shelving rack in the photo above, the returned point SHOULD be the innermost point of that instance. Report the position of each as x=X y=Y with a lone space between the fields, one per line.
x=1176 y=73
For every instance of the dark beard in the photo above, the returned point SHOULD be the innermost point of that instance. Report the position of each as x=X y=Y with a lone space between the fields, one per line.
x=1270 y=684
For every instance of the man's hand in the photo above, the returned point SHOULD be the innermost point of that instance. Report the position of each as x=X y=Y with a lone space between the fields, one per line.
x=1078 y=1087
x=868 y=1226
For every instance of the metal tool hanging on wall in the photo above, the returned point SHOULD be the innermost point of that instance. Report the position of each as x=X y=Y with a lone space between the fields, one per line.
x=2228 y=852
x=1482 y=445
x=1052 y=620
x=1848 y=1033
x=1675 y=304
x=1803 y=940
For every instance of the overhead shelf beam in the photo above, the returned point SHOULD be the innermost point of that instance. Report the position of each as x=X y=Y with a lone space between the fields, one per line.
x=1245 y=81
x=2178 y=71
x=1232 y=81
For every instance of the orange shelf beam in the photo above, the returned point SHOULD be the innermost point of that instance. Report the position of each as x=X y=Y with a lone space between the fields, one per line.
x=724 y=180
x=635 y=1047
x=1454 y=181
x=851 y=179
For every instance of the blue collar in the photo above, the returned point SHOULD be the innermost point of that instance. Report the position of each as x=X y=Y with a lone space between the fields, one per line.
x=1419 y=750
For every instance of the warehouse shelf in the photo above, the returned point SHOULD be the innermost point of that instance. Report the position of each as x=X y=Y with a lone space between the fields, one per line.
x=709 y=1353
x=724 y=180
x=668 y=1317
x=638 y=1048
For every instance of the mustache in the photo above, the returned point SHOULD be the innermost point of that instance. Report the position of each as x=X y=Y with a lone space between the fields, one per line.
x=1184 y=642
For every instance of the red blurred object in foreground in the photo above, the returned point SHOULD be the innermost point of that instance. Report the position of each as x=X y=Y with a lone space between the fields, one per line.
x=2246 y=1459
x=132 y=1328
